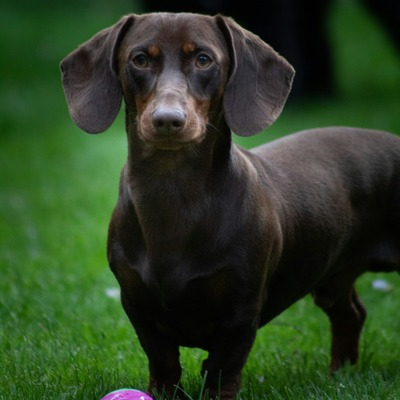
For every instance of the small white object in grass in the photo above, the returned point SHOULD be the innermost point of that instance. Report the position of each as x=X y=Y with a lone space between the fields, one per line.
x=382 y=285
x=113 y=293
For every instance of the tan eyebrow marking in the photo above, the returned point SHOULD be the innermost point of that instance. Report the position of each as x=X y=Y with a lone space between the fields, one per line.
x=154 y=51
x=188 y=48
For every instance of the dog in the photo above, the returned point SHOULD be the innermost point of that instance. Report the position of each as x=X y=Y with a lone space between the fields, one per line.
x=210 y=241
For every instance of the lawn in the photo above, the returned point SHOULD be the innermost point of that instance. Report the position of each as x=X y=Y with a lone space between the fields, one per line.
x=63 y=334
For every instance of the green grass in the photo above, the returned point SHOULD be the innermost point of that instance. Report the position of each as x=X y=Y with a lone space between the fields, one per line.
x=61 y=336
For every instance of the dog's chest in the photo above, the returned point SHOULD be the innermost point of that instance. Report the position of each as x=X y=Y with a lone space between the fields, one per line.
x=189 y=308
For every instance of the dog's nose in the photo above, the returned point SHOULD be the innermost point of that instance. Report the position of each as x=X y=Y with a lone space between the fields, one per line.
x=168 y=121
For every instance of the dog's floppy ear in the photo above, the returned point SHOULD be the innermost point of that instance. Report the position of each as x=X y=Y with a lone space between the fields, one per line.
x=259 y=83
x=89 y=76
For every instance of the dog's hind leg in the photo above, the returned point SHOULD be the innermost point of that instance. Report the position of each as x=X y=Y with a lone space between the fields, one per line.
x=347 y=315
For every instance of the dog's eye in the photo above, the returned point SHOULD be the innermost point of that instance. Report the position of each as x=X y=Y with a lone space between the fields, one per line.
x=140 y=61
x=203 y=61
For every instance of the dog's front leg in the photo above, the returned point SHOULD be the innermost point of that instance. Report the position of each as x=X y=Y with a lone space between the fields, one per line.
x=227 y=357
x=163 y=354
x=165 y=370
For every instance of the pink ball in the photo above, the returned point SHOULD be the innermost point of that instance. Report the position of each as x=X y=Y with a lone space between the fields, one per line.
x=127 y=394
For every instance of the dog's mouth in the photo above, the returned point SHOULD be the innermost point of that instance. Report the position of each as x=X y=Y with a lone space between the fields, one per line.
x=168 y=134
x=168 y=146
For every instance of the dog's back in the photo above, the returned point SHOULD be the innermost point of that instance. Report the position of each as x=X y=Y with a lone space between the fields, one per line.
x=339 y=202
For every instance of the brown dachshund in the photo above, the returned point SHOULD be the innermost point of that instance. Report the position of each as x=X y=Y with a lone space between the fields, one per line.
x=209 y=241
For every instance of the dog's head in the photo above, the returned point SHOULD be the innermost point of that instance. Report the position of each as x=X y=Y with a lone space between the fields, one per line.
x=180 y=68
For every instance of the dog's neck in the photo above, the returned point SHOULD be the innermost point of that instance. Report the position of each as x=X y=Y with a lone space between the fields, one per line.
x=172 y=188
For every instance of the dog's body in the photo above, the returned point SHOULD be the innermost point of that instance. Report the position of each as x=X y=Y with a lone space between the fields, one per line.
x=209 y=241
